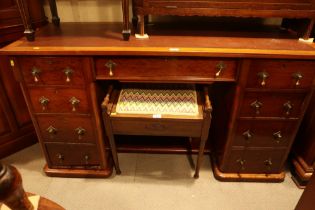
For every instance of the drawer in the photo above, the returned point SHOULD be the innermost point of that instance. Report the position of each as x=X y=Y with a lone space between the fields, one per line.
x=281 y=74
x=67 y=155
x=258 y=161
x=59 y=100
x=268 y=104
x=156 y=127
x=52 y=70
x=264 y=133
x=75 y=129
x=165 y=69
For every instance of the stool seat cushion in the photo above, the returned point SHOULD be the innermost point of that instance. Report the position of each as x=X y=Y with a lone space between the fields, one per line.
x=162 y=99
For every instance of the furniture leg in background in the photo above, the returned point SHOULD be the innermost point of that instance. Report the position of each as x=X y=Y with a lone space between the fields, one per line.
x=27 y=21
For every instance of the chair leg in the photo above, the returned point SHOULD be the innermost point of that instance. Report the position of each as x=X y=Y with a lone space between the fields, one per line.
x=54 y=12
x=141 y=21
x=26 y=19
x=200 y=157
x=126 y=28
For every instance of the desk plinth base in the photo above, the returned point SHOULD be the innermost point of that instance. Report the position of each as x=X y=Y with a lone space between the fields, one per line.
x=79 y=173
x=239 y=177
x=301 y=172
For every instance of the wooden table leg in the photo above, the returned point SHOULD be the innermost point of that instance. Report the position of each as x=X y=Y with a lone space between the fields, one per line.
x=26 y=19
x=309 y=29
x=126 y=30
x=54 y=12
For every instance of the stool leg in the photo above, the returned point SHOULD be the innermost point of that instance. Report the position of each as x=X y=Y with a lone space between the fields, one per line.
x=200 y=156
x=26 y=19
x=114 y=152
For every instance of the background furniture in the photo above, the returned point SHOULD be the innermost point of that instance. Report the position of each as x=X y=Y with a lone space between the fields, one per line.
x=13 y=195
x=303 y=155
x=255 y=117
x=227 y=8
x=307 y=199
x=16 y=129
x=24 y=9
x=166 y=125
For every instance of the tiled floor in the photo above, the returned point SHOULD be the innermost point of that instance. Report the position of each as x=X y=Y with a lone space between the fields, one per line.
x=152 y=181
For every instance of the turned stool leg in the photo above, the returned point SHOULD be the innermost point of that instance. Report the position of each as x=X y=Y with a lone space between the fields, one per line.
x=54 y=12
x=207 y=109
x=12 y=193
x=26 y=19
x=141 y=21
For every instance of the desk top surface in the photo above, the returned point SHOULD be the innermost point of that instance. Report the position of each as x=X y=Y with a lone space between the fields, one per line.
x=164 y=39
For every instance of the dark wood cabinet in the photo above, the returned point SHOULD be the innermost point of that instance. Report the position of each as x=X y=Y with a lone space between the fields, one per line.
x=16 y=128
x=303 y=153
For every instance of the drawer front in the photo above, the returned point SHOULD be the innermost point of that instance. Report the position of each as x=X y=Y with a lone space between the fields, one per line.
x=166 y=69
x=67 y=155
x=72 y=129
x=281 y=74
x=52 y=70
x=59 y=100
x=156 y=127
x=264 y=133
x=259 y=161
x=284 y=105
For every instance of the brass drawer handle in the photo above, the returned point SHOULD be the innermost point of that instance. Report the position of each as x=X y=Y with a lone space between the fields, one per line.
x=242 y=163
x=80 y=131
x=257 y=106
x=68 y=72
x=248 y=135
x=277 y=136
x=74 y=102
x=51 y=130
x=268 y=163
x=297 y=78
x=86 y=158
x=36 y=72
x=60 y=157
x=288 y=106
x=111 y=66
x=220 y=67
x=44 y=102
x=263 y=77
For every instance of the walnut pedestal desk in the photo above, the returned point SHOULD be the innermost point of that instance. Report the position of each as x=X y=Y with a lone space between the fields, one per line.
x=262 y=82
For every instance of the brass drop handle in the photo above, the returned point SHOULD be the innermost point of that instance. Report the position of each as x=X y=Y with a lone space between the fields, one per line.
x=248 y=135
x=263 y=77
x=44 y=102
x=111 y=66
x=277 y=136
x=220 y=67
x=68 y=72
x=242 y=163
x=36 y=72
x=268 y=163
x=51 y=130
x=288 y=106
x=297 y=77
x=61 y=157
x=74 y=102
x=86 y=158
x=80 y=131
x=257 y=106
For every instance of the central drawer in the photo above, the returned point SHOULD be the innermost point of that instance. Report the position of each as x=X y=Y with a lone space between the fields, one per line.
x=166 y=69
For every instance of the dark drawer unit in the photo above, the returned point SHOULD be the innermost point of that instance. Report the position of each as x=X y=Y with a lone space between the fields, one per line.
x=271 y=100
x=72 y=155
x=166 y=69
x=61 y=94
x=52 y=70
x=70 y=129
